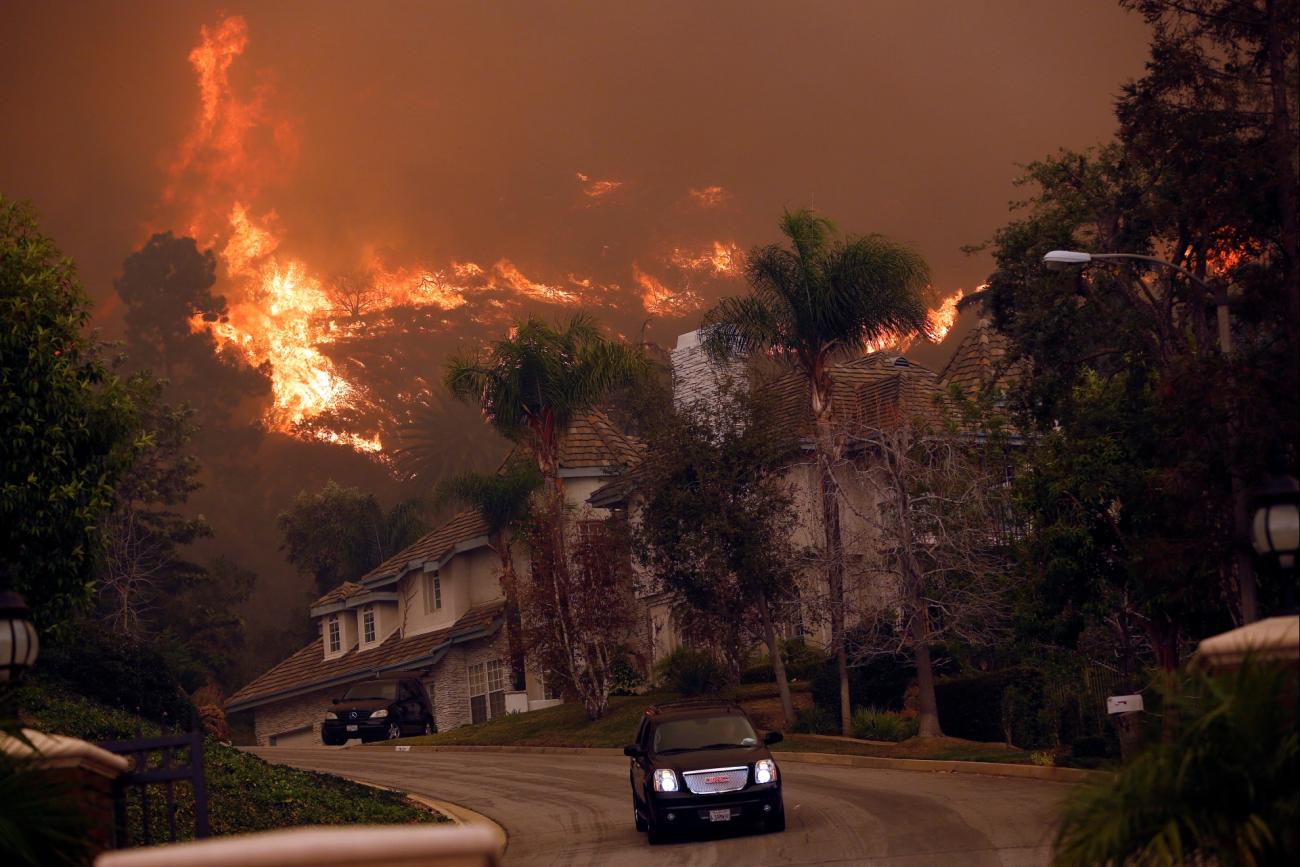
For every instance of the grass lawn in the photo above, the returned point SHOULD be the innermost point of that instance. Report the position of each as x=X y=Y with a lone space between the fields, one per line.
x=244 y=793
x=567 y=725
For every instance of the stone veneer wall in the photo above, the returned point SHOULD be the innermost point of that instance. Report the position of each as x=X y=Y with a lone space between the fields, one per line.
x=450 y=690
x=292 y=713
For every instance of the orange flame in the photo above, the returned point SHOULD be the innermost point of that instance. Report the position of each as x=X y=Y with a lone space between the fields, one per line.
x=708 y=197
x=939 y=321
x=720 y=259
x=659 y=300
x=597 y=189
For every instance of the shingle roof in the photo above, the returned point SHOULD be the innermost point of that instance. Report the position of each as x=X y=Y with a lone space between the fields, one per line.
x=982 y=358
x=308 y=670
x=463 y=527
x=593 y=441
x=339 y=594
x=866 y=390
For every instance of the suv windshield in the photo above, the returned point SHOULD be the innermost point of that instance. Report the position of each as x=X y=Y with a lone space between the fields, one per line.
x=383 y=690
x=702 y=733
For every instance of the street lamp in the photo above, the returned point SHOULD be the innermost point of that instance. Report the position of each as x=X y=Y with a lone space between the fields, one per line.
x=18 y=642
x=1060 y=260
x=1275 y=526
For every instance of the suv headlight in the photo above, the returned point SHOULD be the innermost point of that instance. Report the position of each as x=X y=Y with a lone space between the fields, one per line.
x=765 y=771
x=665 y=780
x=380 y=714
x=329 y=714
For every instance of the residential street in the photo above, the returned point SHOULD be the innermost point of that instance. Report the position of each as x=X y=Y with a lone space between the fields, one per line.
x=575 y=810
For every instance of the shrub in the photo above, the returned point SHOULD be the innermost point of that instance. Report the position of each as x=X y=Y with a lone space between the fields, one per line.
x=1008 y=706
x=873 y=724
x=1221 y=790
x=816 y=721
x=624 y=679
x=691 y=672
x=801 y=663
x=882 y=683
x=117 y=672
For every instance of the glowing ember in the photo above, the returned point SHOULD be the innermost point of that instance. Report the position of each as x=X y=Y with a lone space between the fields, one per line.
x=597 y=189
x=709 y=197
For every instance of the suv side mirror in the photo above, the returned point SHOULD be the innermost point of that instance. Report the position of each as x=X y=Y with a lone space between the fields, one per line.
x=632 y=751
x=773 y=738
x=335 y=700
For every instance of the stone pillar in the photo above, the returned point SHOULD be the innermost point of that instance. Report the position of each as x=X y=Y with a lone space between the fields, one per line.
x=85 y=768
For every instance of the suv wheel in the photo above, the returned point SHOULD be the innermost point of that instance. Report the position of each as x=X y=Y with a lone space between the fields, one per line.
x=776 y=824
x=330 y=740
x=657 y=834
x=637 y=820
x=394 y=731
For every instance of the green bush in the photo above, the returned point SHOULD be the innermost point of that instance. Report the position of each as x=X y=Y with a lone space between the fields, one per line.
x=1220 y=790
x=882 y=683
x=624 y=679
x=691 y=672
x=118 y=672
x=873 y=724
x=801 y=663
x=815 y=721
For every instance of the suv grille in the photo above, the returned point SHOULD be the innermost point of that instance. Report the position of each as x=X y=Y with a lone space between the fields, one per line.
x=716 y=780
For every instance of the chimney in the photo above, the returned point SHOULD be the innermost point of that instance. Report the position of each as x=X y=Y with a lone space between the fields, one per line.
x=697 y=378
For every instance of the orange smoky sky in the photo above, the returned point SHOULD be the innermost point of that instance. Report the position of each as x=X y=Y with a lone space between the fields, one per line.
x=586 y=154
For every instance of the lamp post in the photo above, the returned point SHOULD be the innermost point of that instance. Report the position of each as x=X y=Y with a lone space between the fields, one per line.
x=1059 y=260
x=18 y=642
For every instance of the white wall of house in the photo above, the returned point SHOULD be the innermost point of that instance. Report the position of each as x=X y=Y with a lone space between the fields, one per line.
x=347 y=624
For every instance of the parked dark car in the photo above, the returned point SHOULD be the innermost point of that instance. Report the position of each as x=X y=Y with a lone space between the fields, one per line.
x=699 y=762
x=387 y=707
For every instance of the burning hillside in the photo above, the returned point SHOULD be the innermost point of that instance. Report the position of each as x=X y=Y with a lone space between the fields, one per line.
x=349 y=351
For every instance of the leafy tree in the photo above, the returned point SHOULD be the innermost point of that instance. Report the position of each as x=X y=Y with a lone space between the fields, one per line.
x=145 y=533
x=504 y=500
x=165 y=286
x=63 y=418
x=821 y=299
x=338 y=534
x=1221 y=789
x=532 y=384
x=200 y=629
x=718 y=517
x=1149 y=432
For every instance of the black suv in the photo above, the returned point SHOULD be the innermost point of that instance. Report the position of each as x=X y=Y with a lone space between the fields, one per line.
x=374 y=710
x=699 y=762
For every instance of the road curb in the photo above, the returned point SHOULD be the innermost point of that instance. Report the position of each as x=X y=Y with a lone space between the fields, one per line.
x=455 y=812
x=943 y=766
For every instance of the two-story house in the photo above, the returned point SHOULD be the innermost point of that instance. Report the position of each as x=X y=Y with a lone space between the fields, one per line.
x=436 y=607
x=872 y=391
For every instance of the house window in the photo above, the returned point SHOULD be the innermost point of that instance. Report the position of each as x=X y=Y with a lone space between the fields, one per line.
x=552 y=686
x=336 y=639
x=432 y=592
x=368 y=624
x=487 y=690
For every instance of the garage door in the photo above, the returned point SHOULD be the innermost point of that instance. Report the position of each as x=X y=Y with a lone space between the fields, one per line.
x=303 y=737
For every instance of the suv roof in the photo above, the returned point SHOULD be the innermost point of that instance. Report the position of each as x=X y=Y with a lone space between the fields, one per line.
x=687 y=706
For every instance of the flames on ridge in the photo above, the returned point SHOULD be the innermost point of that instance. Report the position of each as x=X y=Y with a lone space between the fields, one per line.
x=301 y=324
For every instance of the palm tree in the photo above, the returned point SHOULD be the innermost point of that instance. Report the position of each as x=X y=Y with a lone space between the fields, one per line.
x=503 y=500
x=533 y=383
x=810 y=304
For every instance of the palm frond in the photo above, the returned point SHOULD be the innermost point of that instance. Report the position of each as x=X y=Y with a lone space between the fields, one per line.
x=503 y=499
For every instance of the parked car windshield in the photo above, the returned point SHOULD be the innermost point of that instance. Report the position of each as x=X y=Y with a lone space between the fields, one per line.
x=703 y=732
x=385 y=690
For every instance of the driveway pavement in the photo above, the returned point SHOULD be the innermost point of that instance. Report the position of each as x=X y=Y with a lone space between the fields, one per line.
x=576 y=810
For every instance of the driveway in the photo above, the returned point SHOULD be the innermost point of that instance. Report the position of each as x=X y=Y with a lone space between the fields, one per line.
x=576 y=810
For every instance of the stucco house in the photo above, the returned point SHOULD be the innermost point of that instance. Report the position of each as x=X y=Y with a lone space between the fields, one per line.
x=437 y=608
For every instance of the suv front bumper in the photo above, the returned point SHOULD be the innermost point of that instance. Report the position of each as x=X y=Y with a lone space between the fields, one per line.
x=366 y=729
x=750 y=804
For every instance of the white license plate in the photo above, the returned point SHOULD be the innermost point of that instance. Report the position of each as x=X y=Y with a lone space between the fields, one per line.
x=352 y=728
x=719 y=815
